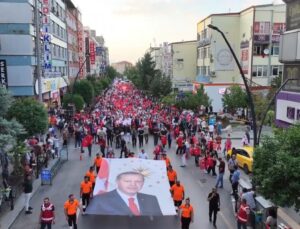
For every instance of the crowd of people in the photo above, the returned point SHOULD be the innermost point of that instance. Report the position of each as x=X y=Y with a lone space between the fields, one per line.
x=123 y=119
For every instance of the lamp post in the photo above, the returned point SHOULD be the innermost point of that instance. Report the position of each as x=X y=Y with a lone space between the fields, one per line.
x=268 y=107
x=249 y=95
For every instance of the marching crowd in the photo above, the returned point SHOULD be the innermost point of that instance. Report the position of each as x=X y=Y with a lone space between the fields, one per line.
x=123 y=119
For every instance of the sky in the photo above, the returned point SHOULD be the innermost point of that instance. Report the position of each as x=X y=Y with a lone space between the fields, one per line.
x=129 y=27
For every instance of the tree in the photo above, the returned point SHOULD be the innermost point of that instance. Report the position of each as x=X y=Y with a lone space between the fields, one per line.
x=276 y=167
x=85 y=89
x=31 y=114
x=111 y=73
x=147 y=71
x=75 y=99
x=132 y=74
x=235 y=97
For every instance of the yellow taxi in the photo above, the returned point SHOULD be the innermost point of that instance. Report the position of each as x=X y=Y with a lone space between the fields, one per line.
x=244 y=156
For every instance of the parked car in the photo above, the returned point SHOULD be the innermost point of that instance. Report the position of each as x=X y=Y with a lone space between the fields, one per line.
x=244 y=156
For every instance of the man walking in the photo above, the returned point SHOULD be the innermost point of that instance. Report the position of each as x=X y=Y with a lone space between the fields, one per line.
x=186 y=212
x=214 y=205
x=86 y=189
x=70 y=209
x=235 y=180
x=221 y=173
x=47 y=215
x=27 y=192
x=242 y=215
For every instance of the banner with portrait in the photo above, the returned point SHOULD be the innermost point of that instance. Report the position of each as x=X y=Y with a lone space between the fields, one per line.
x=132 y=186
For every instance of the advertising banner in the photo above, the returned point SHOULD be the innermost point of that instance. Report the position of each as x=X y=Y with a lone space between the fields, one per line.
x=132 y=186
x=92 y=52
x=3 y=73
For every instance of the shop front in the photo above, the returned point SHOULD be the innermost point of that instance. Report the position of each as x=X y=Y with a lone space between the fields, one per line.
x=52 y=90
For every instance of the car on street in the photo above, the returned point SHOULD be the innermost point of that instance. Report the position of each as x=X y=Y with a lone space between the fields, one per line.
x=244 y=156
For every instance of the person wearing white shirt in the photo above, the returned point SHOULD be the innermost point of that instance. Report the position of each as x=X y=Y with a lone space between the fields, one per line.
x=142 y=154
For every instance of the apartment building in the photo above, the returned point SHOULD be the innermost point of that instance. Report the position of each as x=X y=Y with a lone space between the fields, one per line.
x=254 y=35
x=18 y=47
x=184 y=64
x=288 y=99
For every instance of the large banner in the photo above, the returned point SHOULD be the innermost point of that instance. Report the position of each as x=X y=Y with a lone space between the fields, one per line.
x=133 y=187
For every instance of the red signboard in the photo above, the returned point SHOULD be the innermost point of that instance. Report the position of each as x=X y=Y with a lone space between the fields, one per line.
x=92 y=52
x=262 y=27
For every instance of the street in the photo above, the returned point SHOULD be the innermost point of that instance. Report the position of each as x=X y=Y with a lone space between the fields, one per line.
x=197 y=185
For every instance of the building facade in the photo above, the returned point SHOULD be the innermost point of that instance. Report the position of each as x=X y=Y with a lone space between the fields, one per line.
x=121 y=66
x=102 y=54
x=184 y=64
x=288 y=99
x=162 y=56
x=253 y=34
x=75 y=40
x=19 y=51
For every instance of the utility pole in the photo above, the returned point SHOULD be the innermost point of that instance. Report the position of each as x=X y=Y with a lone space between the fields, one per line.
x=38 y=49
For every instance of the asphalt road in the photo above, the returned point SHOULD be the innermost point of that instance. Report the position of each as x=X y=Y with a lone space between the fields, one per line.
x=196 y=182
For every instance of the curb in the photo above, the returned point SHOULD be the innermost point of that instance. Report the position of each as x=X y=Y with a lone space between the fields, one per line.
x=9 y=217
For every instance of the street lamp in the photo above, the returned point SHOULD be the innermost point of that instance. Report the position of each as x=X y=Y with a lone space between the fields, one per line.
x=268 y=107
x=249 y=95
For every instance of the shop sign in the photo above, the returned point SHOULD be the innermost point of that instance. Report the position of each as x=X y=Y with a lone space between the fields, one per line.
x=3 y=73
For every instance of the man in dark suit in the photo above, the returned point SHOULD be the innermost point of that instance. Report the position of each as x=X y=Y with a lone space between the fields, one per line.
x=126 y=199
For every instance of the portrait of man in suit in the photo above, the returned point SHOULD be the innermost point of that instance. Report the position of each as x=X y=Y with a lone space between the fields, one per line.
x=126 y=198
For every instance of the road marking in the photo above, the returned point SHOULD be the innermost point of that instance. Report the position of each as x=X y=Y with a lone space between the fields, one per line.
x=229 y=225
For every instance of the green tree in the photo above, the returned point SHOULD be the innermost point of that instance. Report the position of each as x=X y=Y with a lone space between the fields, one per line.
x=235 y=97
x=111 y=73
x=31 y=114
x=75 y=99
x=147 y=72
x=133 y=75
x=276 y=167
x=85 y=89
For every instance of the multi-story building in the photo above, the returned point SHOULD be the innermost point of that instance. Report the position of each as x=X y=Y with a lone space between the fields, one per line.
x=288 y=100
x=18 y=47
x=75 y=40
x=184 y=64
x=254 y=35
x=93 y=62
x=121 y=66
x=102 y=54
x=162 y=56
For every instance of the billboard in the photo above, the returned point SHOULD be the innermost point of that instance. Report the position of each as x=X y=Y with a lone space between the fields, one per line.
x=133 y=187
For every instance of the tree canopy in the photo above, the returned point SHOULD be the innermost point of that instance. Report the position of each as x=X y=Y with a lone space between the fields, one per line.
x=187 y=100
x=145 y=77
x=235 y=97
x=75 y=99
x=85 y=89
x=31 y=114
x=276 y=167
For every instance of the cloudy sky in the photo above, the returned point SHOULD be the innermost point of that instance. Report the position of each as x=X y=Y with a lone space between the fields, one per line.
x=130 y=26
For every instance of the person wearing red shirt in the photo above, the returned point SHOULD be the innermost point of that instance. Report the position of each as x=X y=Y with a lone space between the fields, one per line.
x=197 y=153
x=242 y=215
x=102 y=144
x=47 y=215
x=179 y=142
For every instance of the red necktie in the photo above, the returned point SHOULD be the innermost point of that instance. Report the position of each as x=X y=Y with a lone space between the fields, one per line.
x=134 y=209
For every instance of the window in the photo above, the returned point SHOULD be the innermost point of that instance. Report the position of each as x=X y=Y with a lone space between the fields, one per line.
x=57 y=30
x=54 y=50
x=259 y=49
x=277 y=70
x=275 y=49
x=260 y=71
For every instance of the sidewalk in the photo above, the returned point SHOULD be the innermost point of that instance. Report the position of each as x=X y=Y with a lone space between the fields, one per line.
x=7 y=219
x=239 y=131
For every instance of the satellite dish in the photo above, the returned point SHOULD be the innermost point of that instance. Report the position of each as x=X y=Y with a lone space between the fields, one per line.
x=266 y=51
